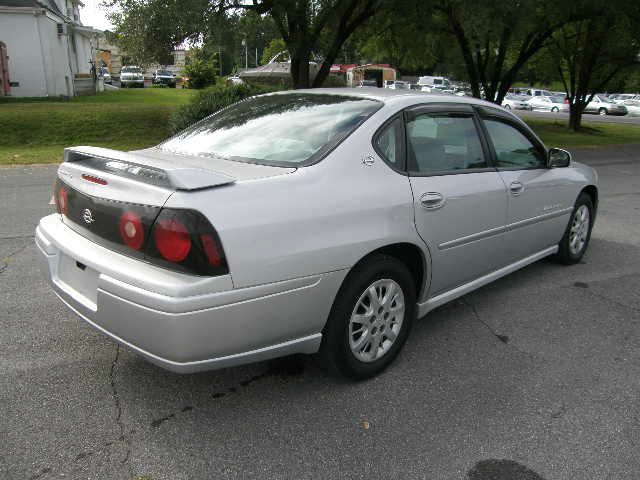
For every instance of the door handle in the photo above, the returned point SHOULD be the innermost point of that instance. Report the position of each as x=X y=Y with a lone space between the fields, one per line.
x=516 y=188
x=432 y=200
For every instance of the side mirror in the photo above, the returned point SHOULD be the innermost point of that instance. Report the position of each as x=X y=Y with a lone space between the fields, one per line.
x=558 y=158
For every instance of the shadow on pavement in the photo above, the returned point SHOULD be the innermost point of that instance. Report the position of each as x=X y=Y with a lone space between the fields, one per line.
x=501 y=470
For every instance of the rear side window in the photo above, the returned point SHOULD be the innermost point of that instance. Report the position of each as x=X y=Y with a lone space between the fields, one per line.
x=513 y=149
x=439 y=142
x=389 y=143
x=282 y=129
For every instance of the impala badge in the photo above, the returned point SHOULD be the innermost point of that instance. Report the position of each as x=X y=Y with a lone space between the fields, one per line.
x=87 y=216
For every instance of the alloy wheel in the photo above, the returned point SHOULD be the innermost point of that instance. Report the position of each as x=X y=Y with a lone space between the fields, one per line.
x=376 y=320
x=579 y=232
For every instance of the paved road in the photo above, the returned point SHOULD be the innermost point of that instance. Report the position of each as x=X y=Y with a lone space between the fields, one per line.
x=586 y=118
x=534 y=377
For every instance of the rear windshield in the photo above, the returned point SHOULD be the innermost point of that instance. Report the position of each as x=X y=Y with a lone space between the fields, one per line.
x=281 y=129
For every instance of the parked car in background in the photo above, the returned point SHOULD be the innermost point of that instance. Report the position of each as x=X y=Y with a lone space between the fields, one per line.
x=633 y=107
x=548 y=104
x=622 y=97
x=536 y=92
x=106 y=76
x=397 y=85
x=323 y=220
x=368 y=83
x=436 y=82
x=131 y=76
x=164 y=77
x=235 y=80
x=516 y=102
x=603 y=106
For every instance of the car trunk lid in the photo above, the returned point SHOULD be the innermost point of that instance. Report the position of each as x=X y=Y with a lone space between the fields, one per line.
x=96 y=187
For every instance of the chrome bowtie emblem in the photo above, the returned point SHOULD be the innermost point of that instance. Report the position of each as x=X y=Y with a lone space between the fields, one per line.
x=87 y=216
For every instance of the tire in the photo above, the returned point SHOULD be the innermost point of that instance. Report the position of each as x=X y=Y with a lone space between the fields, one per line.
x=603 y=112
x=570 y=250
x=507 y=106
x=555 y=110
x=348 y=354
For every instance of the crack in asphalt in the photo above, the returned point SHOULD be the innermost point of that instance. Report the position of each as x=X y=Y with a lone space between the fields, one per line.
x=290 y=366
x=503 y=338
x=17 y=237
x=6 y=260
x=616 y=302
x=118 y=404
x=40 y=474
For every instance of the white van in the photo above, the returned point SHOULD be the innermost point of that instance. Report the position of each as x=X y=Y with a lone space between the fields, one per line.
x=437 y=82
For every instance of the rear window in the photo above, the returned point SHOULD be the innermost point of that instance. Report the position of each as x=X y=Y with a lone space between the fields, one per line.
x=281 y=129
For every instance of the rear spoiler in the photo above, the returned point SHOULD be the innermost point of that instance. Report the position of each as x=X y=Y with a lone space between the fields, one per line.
x=136 y=167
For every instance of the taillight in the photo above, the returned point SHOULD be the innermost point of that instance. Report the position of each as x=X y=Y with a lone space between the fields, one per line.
x=131 y=230
x=185 y=240
x=173 y=241
x=182 y=240
x=211 y=250
x=61 y=198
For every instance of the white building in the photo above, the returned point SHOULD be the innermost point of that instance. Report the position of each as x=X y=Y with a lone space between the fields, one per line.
x=48 y=49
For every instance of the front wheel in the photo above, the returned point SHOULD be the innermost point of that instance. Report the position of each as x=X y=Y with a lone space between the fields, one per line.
x=555 y=110
x=603 y=112
x=576 y=237
x=507 y=106
x=370 y=319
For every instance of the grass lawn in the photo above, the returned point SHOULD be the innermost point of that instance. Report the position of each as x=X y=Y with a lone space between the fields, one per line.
x=554 y=133
x=36 y=131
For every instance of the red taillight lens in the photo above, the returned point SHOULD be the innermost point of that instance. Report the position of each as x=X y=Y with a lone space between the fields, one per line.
x=210 y=247
x=132 y=230
x=62 y=200
x=172 y=239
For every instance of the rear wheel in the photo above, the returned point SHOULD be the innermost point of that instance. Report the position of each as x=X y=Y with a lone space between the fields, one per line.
x=603 y=112
x=576 y=237
x=370 y=319
x=555 y=110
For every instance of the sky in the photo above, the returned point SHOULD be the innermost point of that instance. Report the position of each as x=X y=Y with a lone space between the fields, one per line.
x=92 y=15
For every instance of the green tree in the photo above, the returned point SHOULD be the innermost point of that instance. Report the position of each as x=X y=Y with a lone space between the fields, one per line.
x=276 y=46
x=496 y=39
x=594 y=52
x=156 y=26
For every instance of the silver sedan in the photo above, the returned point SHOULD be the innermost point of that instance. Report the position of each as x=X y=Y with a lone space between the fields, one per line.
x=311 y=221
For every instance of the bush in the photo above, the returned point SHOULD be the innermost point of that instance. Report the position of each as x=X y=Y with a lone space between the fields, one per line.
x=201 y=74
x=209 y=101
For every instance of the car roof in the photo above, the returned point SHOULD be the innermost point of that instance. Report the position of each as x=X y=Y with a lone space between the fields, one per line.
x=389 y=96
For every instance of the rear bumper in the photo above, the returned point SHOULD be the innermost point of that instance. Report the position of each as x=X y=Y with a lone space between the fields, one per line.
x=180 y=322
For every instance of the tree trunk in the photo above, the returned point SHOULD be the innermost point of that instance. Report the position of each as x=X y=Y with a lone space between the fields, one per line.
x=575 y=117
x=300 y=70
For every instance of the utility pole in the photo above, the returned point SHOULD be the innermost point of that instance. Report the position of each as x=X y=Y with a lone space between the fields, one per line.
x=256 y=56
x=246 y=53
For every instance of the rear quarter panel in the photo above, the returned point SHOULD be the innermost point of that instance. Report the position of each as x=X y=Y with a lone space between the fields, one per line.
x=320 y=218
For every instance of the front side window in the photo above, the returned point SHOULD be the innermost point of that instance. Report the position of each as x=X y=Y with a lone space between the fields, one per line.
x=441 y=142
x=278 y=129
x=513 y=149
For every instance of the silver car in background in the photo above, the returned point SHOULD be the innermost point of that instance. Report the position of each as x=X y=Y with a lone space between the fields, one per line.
x=603 y=106
x=131 y=76
x=553 y=104
x=516 y=102
x=323 y=220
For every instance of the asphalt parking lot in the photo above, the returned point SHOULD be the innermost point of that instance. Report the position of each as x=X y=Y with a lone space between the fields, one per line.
x=536 y=376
